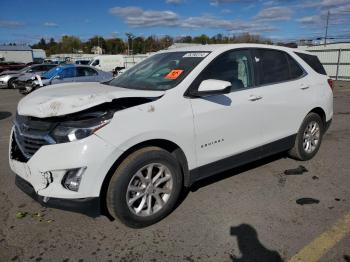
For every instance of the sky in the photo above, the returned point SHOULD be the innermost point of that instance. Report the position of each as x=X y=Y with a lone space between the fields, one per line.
x=26 y=21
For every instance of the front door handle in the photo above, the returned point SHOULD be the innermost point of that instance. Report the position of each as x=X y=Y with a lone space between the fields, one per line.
x=304 y=87
x=254 y=97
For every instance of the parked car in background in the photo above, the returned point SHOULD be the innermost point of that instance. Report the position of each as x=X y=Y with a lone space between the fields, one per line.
x=64 y=74
x=82 y=62
x=54 y=61
x=29 y=76
x=8 y=78
x=11 y=66
x=177 y=117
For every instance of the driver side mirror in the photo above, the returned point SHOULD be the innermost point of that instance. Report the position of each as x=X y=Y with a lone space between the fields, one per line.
x=212 y=87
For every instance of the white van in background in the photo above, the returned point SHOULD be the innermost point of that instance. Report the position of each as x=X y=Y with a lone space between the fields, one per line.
x=108 y=62
x=117 y=63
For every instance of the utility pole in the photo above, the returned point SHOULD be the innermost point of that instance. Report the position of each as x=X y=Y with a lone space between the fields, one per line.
x=325 y=38
x=130 y=37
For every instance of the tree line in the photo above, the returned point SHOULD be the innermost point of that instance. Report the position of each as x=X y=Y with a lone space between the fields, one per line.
x=137 y=45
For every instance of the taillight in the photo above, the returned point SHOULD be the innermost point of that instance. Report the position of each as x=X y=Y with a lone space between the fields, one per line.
x=330 y=83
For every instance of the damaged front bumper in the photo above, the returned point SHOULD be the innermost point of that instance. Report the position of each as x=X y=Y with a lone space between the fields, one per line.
x=43 y=174
x=88 y=206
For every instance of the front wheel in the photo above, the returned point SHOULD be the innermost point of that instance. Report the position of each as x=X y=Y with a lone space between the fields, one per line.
x=10 y=83
x=145 y=187
x=309 y=138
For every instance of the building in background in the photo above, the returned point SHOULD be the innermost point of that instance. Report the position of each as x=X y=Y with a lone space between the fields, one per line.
x=335 y=58
x=97 y=50
x=15 y=53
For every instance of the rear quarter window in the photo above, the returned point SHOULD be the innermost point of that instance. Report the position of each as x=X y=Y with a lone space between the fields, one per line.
x=313 y=62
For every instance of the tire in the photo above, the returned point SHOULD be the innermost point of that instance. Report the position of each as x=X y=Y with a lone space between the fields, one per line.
x=10 y=83
x=300 y=150
x=121 y=189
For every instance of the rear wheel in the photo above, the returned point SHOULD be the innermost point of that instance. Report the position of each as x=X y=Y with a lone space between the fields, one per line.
x=145 y=187
x=309 y=137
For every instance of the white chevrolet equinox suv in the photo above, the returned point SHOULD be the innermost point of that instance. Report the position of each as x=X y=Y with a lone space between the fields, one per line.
x=130 y=145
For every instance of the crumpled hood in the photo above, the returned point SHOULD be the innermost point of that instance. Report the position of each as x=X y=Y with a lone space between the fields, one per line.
x=63 y=99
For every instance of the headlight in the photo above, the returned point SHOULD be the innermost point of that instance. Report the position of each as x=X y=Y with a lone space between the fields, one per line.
x=70 y=131
x=63 y=134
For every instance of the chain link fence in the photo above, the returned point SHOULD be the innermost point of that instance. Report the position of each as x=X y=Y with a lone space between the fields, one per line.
x=336 y=62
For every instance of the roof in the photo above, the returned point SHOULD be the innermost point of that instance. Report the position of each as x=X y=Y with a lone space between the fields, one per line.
x=15 y=48
x=73 y=65
x=46 y=64
x=224 y=47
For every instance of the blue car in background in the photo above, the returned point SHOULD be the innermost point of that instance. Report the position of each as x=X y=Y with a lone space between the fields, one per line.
x=64 y=74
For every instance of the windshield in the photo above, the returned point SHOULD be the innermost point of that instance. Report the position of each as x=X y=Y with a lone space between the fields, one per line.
x=52 y=72
x=95 y=62
x=160 y=71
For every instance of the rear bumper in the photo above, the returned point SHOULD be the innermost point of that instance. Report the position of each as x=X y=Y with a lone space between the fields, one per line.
x=88 y=206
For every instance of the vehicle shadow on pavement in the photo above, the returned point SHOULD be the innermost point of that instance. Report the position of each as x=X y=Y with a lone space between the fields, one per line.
x=236 y=171
x=250 y=247
x=4 y=115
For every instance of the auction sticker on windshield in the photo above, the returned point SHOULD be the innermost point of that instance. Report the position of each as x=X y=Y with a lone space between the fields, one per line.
x=196 y=54
x=173 y=74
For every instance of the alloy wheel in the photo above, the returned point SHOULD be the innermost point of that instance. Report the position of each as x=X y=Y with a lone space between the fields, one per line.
x=149 y=189
x=311 y=137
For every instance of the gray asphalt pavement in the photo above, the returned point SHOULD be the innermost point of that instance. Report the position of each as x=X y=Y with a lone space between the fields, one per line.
x=245 y=214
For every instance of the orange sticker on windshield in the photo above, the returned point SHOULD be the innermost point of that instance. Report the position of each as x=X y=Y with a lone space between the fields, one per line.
x=173 y=74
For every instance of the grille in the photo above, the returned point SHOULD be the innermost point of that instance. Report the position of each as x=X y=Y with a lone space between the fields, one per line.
x=19 y=84
x=32 y=135
x=22 y=84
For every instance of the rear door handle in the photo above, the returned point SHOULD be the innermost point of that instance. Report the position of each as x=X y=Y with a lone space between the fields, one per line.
x=254 y=97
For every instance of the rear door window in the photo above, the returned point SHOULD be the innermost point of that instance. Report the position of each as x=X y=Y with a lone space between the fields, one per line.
x=48 y=67
x=68 y=72
x=85 y=71
x=36 y=69
x=313 y=62
x=90 y=72
x=295 y=69
x=272 y=65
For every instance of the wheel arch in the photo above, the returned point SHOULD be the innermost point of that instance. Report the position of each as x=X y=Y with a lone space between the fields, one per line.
x=167 y=145
x=321 y=113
